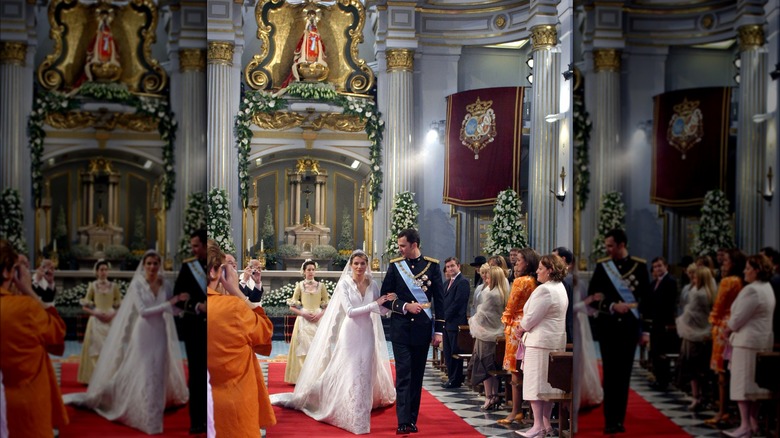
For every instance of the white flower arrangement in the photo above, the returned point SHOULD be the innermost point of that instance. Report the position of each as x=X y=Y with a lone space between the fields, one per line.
x=194 y=219
x=714 y=231
x=612 y=215
x=281 y=296
x=11 y=225
x=72 y=297
x=403 y=215
x=254 y=102
x=582 y=128
x=47 y=103
x=219 y=220
x=507 y=230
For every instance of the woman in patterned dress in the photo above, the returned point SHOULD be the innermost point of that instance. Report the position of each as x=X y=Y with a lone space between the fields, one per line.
x=308 y=300
x=102 y=300
x=524 y=284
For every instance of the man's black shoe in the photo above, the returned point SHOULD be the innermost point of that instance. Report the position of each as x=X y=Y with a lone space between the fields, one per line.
x=450 y=385
x=197 y=430
x=403 y=429
x=613 y=429
x=413 y=428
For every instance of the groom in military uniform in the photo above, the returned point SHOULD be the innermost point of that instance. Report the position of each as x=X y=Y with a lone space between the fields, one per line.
x=622 y=281
x=417 y=283
x=193 y=280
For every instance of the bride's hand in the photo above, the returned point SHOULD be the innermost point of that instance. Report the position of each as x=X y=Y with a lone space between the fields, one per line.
x=383 y=299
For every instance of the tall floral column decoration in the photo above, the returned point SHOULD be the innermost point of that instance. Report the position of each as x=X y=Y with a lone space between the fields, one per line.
x=507 y=230
x=612 y=215
x=715 y=230
x=403 y=215
x=13 y=218
x=219 y=220
x=194 y=219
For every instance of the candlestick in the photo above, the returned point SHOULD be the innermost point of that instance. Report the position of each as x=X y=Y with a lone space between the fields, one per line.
x=364 y=245
x=42 y=244
x=261 y=245
x=55 y=245
x=156 y=246
x=248 y=244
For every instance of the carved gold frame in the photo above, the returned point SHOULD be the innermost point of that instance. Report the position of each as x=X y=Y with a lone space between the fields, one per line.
x=279 y=26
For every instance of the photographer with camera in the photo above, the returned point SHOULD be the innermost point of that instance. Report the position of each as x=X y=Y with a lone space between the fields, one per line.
x=251 y=281
x=43 y=281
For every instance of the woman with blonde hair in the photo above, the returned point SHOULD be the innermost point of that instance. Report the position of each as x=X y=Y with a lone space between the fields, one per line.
x=483 y=272
x=694 y=329
x=308 y=301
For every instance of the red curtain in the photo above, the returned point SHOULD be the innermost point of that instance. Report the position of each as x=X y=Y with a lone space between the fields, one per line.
x=690 y=145
x=482 y=145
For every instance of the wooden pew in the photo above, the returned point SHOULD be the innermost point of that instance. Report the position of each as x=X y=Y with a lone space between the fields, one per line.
x=466 y=347
x=502 y=374
x=767 y=377
x=559 y=375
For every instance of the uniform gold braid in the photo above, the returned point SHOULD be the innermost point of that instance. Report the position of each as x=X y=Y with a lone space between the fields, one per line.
x=403 y=268
x=623 y=276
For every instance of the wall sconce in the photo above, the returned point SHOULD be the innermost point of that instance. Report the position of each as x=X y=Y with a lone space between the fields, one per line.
x=737 y=78
x=761 y=118
x=530 y=62
x=769 y=192
x=737 y=62
x=774 y=74
x=530 y=78
x=561 y=193
x=552 y=118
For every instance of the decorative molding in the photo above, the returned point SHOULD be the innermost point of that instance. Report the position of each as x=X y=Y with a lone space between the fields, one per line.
x=102 y=121
x=192 y=60
x=500 y=21
x=400 y=60
x=544 y=37
x=13 y=52
x=220 y=52
x=750 y=37
x=606 y=60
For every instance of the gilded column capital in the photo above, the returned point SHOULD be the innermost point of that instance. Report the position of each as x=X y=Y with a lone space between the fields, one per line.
x=400 y=60
x=544 y=37
x=192 y=60
x=220 y=52
x=750 y=37
x=606 y=59
x=13 y=52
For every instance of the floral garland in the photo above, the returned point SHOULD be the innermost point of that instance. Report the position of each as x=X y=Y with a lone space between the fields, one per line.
x=11 y=226
x=611 y=216
x=582 y=128
x=255 y=102
x=279 y=297
x=194 y=219
x=219 y=220
x=48 y=102
x=403 y=215
x=507 y=230
x=72 y=296
x=715 y=230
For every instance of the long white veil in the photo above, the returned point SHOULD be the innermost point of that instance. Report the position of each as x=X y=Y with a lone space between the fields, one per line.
x=323 y=347
x=118 y=347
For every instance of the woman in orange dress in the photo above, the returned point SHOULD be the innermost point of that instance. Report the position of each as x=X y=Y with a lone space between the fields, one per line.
x=29 y=331
x=524 y=284
x=730 y=286
x=238 y=329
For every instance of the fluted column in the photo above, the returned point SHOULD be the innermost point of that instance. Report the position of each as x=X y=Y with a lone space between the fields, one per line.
x=399 y=121
x=543 y=157
x=751 y=139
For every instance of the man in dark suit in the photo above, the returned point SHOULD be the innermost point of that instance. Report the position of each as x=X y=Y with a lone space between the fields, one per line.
x=193 y=280
x=455 y=303
x=623 y=281
x=659 y=309
x=416 y=281
x=568 y=284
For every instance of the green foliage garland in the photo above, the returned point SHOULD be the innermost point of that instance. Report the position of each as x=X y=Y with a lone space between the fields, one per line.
x=507 y=230
x=715 y=225
x=612 y=215
x=194 y=219
x=219 y=220
x=403 y=215
x=11 y=225
x=582 y=128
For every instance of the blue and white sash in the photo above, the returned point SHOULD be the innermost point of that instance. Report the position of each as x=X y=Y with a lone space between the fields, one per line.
x=416 y=290
x=625 y=293
x=199 y=274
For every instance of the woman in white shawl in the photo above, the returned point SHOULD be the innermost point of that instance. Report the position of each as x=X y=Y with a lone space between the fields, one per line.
x=347 y=371
x=139 y=372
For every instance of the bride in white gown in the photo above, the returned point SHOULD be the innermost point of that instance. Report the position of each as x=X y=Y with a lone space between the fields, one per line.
x=139 y=372
x=347 y=371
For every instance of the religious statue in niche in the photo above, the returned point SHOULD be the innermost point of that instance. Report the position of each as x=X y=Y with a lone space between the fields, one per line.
x=309 y=63
x=102 y=56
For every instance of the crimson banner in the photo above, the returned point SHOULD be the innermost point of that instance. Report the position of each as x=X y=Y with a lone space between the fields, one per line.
x=690 y=145
x=482 y=147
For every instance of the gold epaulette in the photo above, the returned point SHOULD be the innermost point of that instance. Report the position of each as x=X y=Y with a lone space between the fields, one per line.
x=602 y=260
x=639 y=259
x=397 y=259
x=189 y=260
x=431 y=259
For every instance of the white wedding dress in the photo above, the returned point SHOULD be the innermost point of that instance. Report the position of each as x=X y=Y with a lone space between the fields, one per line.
x=139 y=372
x=347 y=371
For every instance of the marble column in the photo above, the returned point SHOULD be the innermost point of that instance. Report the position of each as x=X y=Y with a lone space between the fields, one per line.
x=399 y=122
x=544 y=168
x=751 y=139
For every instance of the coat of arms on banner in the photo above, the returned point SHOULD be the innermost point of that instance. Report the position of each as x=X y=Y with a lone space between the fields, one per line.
x=479 y=126
x=686 y=127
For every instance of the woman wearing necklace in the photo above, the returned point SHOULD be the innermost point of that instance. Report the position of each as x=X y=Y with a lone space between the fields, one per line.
x=102 y=300
x=347 y=371
x=308 y=300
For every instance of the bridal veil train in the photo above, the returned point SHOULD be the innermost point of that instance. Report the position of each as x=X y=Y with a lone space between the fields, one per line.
x=347 y=371
x=139 y=372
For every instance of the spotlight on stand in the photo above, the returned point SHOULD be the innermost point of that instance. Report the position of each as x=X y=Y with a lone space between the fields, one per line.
x=568 y=74
x=436 y=131
x=774 y=74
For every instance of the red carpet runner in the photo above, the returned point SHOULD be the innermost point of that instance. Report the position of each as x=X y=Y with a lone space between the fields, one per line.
x=642 y=420
x=435 y=419
x=84 y=423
